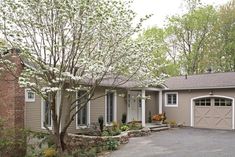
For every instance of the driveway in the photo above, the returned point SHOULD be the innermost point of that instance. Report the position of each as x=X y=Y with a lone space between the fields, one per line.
x=181 y=142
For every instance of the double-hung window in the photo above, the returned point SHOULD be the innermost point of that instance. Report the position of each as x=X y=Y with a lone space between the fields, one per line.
x=110 y=106
x=171 y=99
x=29 y=95
x=82 y=105
x=46 y=114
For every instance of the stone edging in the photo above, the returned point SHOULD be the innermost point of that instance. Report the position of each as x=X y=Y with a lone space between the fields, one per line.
x=83 y=141
x=139 y=133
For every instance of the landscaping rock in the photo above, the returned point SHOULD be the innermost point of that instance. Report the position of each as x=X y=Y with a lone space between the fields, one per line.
x=139 y=133
x=74 y=141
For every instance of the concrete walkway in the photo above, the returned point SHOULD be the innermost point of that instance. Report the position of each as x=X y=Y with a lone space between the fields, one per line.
x=181 y=142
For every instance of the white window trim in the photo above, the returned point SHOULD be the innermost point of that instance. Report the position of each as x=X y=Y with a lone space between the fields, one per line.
x=128 y=106
x=42 y=115
x=115 y=106
x=171 y=105
x=88 y=114
x=26 y=95
x=58 y=101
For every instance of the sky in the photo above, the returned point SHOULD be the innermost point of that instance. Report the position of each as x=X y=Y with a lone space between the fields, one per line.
x=161 y=9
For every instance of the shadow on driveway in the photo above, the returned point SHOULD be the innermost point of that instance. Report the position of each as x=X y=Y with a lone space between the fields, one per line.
x=181 y=142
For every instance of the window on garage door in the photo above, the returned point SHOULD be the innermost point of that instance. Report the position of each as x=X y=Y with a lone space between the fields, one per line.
x=223 y=102
x=203 y=102
x=214 y=101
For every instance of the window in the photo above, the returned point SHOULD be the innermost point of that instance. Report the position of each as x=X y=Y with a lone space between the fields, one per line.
x=128 y=100
x=29 y=95
x=223 y=102
x=171 y=99
x=213 y=101
x=110 y=106
x=203 y=102
x=46 y=114
x=82 y=115
x=140 y=102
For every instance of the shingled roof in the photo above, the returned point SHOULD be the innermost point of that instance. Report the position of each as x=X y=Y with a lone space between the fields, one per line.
x=202 y=81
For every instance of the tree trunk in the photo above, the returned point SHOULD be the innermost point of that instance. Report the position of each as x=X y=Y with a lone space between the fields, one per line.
x=58 y=139
x=58 y=136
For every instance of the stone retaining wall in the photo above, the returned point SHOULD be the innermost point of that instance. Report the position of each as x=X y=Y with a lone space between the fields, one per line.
x=139 y=133
x=85 y=142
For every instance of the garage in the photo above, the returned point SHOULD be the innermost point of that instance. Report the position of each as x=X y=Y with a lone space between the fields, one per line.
x=213 y=113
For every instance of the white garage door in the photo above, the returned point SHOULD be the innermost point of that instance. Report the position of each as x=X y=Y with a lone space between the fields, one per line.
x=215 y=113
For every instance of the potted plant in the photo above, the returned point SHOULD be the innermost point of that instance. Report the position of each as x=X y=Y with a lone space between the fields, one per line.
x=159 y=118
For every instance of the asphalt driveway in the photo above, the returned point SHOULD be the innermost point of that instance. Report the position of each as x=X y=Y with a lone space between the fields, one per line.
x=181 y=142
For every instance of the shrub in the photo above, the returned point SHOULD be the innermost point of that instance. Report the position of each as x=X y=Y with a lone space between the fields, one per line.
x=85 y=153
x=49 y=152
x=101 y=122
x=124 y=127
x=115 y=132
x=105 y=133
x=111 y=132
x=91 y=131
x=150 y=117
x=12 y=140
x=124 y=118
x=112 y=144
x=135 y=125
x=172 y=123
x=163 y=117
x=115 y=126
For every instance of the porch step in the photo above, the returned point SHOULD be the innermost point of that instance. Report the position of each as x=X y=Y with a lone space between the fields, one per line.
x=159 y=128
x=156 y=126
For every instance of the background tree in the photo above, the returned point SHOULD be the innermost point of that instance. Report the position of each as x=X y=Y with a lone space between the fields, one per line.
x=226 y=37
x=73 y=45
x=191 y=34
x=162 y=54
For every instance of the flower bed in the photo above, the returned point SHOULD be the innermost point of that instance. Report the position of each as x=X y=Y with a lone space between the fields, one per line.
x=82 y=141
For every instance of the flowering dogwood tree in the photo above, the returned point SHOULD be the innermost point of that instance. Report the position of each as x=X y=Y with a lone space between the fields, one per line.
x=69 y=45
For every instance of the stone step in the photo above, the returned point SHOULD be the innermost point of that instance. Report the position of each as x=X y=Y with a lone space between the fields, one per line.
x=158 y=126
x=159 y=129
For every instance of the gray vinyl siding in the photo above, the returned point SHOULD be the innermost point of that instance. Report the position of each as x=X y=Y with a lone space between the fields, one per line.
x=151 y=104
x=182 y=113
x=33 y=115
x=98 y=105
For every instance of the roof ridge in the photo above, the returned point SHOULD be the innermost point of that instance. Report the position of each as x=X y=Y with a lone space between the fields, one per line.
x=202 y=74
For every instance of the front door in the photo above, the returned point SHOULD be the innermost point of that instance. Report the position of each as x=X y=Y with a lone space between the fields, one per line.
x=134 y=106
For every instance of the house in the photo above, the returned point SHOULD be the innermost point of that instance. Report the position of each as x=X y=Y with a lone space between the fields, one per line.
x=202 y=101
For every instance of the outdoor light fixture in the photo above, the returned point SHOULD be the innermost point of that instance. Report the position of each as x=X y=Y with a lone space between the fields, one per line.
x=211 y=93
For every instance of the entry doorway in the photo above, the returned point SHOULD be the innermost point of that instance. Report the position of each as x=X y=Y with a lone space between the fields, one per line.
x=134 y=106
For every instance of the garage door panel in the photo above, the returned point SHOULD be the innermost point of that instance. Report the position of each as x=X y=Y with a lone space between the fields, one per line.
x=218 y=117
x=203 y=117
x=204 y=123
x=223 y=124
x=223 y=111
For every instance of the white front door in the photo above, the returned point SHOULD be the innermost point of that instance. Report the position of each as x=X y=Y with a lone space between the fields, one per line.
x=134 y=106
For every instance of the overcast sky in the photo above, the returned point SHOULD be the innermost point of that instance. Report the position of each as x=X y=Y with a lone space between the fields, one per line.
x=163 y=8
